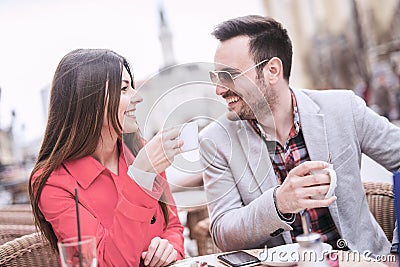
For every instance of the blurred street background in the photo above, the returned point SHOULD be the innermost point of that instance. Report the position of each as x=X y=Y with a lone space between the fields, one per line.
x=338 y=44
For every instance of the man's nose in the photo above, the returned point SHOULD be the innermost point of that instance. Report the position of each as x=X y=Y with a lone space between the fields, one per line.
x=220 y=90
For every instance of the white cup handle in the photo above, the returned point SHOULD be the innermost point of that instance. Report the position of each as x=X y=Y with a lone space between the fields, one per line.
x=332 y=184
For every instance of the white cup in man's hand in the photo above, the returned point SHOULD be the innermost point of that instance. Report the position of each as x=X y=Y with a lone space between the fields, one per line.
x=332 y=185
x=189 y=133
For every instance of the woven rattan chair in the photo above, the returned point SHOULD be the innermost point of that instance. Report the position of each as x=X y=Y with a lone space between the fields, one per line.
x=381 y=203
x=29 y=250
x=10 y=232
x=194 y=216
x=17 y=214
x=17 y=208
x=198 y=223
x=201 y=233
x=16 y=217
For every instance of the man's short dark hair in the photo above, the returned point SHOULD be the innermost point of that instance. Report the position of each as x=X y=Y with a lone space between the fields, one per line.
x=267 y=38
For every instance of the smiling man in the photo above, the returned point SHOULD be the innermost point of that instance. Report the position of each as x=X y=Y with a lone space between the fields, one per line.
x=259 y=159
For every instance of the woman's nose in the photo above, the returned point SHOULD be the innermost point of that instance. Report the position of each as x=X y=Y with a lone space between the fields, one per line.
x=136 y=98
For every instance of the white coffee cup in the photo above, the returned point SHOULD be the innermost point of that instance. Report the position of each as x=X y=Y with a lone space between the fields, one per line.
x=189 y=133
x=332 y=185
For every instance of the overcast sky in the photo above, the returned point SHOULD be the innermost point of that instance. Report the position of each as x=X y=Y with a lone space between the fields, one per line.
x=35 y=35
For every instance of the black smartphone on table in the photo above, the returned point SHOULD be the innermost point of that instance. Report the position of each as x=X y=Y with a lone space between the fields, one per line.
x=238 y=258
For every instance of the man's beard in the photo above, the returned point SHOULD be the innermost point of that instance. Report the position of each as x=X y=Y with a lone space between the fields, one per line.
x=262 y=106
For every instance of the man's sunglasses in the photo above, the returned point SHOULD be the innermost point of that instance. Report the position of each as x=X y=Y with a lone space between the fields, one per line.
x=224 y=78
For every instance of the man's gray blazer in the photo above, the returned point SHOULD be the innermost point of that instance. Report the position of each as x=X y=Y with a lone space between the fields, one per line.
x=239 y=177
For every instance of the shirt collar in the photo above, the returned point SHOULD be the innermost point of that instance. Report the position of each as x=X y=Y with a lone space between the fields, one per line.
x=296 y=117
x=85 y=170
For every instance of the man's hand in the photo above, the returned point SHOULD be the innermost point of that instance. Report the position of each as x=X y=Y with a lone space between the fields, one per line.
x=159 y=253
x=295 y=192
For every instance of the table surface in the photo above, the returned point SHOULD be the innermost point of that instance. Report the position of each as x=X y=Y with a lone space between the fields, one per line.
x=346 y=259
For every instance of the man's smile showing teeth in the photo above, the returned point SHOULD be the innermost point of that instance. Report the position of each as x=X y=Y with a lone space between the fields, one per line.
x=232 y=99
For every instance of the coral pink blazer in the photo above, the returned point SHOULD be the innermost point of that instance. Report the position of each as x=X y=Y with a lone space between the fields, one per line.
x=123 y=216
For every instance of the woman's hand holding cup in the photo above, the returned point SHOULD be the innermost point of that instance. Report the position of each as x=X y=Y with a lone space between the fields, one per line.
x=158 y=154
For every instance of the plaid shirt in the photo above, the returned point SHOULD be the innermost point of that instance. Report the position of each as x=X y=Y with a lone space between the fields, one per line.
x=284 y=158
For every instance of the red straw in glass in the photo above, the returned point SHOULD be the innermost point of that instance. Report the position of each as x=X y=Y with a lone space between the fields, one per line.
x=79 y=227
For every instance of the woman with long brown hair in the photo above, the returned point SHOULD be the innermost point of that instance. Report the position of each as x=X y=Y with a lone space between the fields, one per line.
x=127 y=207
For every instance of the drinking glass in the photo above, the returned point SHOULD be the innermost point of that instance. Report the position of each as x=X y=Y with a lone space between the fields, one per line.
x=69 y=252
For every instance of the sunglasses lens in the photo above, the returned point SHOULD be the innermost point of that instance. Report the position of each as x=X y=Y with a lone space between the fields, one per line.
x=222 y=78
x=226 y=79
x=214 y=77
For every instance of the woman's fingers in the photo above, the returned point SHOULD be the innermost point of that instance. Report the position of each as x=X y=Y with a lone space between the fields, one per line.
x=160 y=253
x=169 y=134
x=172 y=257
x=165 y=254
x=151 y=250
x=162 y=244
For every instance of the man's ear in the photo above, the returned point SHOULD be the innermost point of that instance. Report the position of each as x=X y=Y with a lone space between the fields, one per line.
x=273 y=71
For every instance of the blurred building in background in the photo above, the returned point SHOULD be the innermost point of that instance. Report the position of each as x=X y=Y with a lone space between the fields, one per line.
x=6 y=155
x=5 y=144
x=343 y=44
x=7 y=148
x=336 y=42
x=13 y=175
x=178 y=93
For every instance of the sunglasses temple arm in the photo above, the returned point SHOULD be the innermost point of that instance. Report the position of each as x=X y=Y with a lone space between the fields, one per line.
x=249 y=69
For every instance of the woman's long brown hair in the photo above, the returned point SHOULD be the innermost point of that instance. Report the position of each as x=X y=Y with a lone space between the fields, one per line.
x=76 y=112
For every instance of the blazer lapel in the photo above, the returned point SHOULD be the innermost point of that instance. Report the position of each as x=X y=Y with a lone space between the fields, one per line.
x=258 y=158
x=315 y=136
x=314 y=132
x=313 y=127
